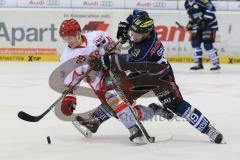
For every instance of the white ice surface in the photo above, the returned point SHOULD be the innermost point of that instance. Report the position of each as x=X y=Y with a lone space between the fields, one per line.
x=24 y=86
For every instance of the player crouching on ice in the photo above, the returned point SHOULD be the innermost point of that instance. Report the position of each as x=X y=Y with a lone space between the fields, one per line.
x=147 y=50
x=97 y=43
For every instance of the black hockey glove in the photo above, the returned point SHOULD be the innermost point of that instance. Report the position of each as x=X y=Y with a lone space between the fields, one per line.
x=95 y=63
x=201 y=23
x=123 y=28
x=98 y=63
x=189 y=25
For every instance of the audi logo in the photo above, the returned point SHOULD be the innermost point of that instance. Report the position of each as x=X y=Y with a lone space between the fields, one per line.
x=106 y=3
x=53 y=2
x=160 y=4
x=2 y=2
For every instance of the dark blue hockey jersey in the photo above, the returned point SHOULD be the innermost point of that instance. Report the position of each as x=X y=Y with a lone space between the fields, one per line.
x=202 y=14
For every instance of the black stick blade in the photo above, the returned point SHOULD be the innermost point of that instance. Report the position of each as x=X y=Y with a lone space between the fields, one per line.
x=26 y=117
x=177 y=23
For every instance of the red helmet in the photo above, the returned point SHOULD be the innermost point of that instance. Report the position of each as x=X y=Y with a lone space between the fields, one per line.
x=69 y=27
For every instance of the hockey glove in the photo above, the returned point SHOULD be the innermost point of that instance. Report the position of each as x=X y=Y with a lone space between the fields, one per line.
x=98 y=62
x=68 y=105
x=123 y=28
x=95 y=63
x=189 y=25
x=201 y=23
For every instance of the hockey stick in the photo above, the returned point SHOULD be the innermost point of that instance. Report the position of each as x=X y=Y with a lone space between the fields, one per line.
x=142 y=128
x=25 y=116
x=180 y=26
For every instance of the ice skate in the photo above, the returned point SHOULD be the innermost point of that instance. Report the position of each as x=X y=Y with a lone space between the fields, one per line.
x=215 y=67
x=161 y=111
x=92 y=123
x=215 y=136
x=197 y=66
x=136 y=135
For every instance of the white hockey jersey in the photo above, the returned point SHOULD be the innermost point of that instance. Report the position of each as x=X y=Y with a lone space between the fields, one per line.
x=95 y=41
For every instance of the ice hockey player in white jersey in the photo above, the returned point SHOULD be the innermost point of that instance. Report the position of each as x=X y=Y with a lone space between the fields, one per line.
x=81 y=46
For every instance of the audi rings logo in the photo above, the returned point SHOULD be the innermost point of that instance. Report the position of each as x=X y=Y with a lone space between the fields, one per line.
x=160 y=4
x=53 y=2
x=2 y=2
x=106 y=3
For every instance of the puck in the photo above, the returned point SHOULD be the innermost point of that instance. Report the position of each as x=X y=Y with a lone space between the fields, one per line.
x=48 y=140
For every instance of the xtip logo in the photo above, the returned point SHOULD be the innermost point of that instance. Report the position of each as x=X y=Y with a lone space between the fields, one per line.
x=34 y=58
x=95 y=26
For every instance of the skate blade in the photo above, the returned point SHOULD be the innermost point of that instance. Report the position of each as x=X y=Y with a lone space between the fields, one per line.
x=200 y=71
x=215 y=71
x=162 y=137
x=83 y=130
x=205 y=72
x=139 y=141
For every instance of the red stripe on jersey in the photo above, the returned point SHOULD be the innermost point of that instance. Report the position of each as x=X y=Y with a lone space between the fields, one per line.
x=121 y=107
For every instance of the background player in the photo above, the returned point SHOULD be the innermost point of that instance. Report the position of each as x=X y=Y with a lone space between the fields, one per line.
x=203 y=25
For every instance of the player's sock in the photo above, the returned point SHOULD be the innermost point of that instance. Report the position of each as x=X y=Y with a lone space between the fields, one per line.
x=192 y=115
x=214 y=59
x=197 y=59
x=199 y=121
x=146 y=113
x=143 y=113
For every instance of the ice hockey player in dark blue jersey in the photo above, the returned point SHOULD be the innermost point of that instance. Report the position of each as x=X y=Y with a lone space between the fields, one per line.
x=146 y=47
x=145 y=44
x=203 y=24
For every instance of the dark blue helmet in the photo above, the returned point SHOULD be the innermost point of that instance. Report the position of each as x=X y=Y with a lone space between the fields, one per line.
x=142 y=23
